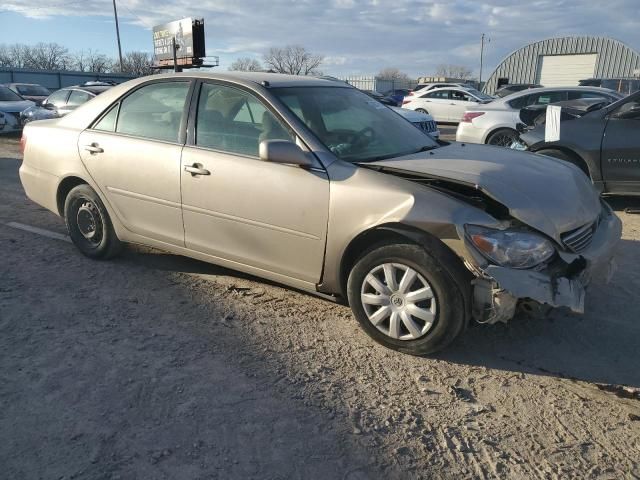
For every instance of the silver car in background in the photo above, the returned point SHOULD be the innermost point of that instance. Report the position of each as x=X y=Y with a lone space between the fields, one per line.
x=310 y=183
x=422 y=121
x=495 y=123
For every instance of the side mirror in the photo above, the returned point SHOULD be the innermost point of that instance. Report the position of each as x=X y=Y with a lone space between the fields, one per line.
x=632 y=113
x=283 y=151
x=49 y=106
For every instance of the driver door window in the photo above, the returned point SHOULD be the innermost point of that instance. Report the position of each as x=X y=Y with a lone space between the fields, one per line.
x=234 y=121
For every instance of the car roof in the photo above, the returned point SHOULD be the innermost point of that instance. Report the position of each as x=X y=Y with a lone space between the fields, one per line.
x=557 y=89
x=275 y=80
x=461 y=89
x=96 y=89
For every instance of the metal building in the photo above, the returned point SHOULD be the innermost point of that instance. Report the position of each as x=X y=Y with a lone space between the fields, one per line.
x=565 y=61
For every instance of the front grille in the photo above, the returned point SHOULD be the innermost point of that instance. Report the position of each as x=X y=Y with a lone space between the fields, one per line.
x=429 y=126
x=579 y=239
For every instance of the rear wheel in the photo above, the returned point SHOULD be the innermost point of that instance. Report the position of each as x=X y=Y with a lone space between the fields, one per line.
x=567 y=157
x=89 y=224
x=405 y=299
x=503 y=137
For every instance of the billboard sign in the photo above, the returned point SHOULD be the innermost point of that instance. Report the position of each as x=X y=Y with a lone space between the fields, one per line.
x=189 y=36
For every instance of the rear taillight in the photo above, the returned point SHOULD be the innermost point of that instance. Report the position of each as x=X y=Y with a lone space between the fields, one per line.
x=468 y=116
x=23 y=142
x=405 y=101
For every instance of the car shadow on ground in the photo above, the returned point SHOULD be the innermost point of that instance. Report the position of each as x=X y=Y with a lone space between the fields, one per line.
x=600 y=346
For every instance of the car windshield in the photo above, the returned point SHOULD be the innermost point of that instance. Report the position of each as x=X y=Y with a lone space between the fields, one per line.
x=32 y=90
x=352 y=125
x=7 y=95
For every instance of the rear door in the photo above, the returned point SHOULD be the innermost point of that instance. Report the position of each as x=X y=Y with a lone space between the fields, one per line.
x=621 y=148
x=133 y=154
x=436 y=103
x=459 y=103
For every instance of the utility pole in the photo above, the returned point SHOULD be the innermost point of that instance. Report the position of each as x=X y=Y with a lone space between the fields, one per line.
x=481 y=58
x=115 y=13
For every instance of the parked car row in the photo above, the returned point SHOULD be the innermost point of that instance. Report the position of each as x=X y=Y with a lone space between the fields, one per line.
x=21 y=103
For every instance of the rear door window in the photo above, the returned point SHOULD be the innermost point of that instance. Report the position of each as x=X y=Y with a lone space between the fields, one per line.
x=546 y=98
x=154 y=111
x=442 y=94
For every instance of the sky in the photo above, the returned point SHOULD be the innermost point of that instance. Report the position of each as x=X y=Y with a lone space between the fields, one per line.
x=357 y=37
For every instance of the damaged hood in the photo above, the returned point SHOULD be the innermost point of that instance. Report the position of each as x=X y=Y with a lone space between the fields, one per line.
x=549 y=195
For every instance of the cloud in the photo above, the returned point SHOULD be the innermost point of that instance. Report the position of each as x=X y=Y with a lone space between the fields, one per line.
x=364 y=36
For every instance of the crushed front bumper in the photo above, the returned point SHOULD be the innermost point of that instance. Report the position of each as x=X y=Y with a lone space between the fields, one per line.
x=497 y=291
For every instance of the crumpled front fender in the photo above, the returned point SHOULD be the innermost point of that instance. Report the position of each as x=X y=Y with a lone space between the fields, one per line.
x=565 y=288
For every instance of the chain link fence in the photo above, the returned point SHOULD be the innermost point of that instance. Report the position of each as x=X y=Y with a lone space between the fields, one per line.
x=378 y=84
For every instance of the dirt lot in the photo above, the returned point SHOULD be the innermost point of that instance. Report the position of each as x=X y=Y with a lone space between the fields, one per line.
x=156 y=366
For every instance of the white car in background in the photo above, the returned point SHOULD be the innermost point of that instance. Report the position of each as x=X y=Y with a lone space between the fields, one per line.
x=446 y=104
x=423 y=121
x=495 y=123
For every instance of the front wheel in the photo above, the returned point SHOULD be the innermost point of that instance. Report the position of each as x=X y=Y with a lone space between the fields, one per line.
x=89 y=224
x=405 y=299
x=422 y=110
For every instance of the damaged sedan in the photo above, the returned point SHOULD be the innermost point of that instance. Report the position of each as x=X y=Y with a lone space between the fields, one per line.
x=312 y=184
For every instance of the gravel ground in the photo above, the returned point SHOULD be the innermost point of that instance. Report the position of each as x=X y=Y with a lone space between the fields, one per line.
x=157 y=366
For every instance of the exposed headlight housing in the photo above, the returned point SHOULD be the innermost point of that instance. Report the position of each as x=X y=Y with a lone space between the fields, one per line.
x=510 y=248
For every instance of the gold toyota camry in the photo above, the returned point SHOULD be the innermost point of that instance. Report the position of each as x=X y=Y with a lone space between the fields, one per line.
x=313 y=184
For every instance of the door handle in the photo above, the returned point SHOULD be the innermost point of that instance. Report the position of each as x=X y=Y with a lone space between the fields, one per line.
x=93 y=148
x=196 y=169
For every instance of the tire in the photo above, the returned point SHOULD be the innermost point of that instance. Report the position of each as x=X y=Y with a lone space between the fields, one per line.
x=567 y=157
x=89 y=225
x=422 y=110
x=503 y=137
x=447 y=306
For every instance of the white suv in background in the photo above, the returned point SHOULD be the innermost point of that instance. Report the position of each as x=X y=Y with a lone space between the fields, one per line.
x=445 y=104
x=495 y=123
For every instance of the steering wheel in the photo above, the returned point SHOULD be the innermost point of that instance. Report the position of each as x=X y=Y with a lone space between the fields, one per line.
x=364 y=137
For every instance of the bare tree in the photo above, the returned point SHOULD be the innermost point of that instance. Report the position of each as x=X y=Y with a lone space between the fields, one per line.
x=293 y=59
x=47 y=56
x=392 y=74
x=5 y=56
x=459 y=72
x=246 y=64
x=137 y=63
x=79 y=61
x=98 y=62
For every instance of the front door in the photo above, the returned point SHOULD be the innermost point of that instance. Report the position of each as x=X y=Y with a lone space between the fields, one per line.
x=133 y=154
x=267 y=216
x=621 y=148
